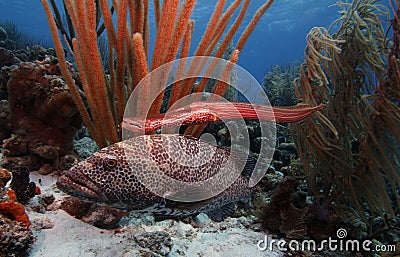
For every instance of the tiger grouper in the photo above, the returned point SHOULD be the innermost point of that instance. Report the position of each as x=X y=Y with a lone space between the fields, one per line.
x=110 y=176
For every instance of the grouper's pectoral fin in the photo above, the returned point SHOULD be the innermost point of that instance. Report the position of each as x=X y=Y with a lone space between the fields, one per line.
x=221 y=213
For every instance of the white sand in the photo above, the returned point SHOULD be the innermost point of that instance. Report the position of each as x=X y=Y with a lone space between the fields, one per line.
x=71 y=237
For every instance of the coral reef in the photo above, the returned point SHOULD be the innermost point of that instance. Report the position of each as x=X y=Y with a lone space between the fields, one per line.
x=5 y=41
x=278 y=85
x=11 y=37
x=351 y=149
x=3 y=34
x=40 y=118
x=33 y=53
x=7 y=57
x=286 y=211
x=289 y=212
x=15 y=237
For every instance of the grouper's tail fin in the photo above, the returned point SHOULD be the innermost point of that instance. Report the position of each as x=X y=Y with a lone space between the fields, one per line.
x=226 y=210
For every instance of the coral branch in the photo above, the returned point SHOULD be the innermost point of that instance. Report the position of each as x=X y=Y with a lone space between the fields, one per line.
x=107 y=88
x=257 y=16
x=64 y=69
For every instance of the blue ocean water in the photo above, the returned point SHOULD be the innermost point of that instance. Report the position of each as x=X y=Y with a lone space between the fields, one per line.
x=279 y=37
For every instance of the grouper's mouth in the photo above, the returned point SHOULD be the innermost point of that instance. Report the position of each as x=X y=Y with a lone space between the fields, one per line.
x=77 y=184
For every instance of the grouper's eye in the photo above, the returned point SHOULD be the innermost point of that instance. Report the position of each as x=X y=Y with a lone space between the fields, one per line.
x=109 y=163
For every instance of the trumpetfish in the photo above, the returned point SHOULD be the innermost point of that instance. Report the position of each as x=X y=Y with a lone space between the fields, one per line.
x=110 y=175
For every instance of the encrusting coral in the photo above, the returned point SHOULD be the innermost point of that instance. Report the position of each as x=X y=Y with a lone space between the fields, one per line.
x=15 y=233
x=14 y=210
x=100 y=216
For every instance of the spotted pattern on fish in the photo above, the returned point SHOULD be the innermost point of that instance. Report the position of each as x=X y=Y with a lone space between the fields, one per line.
x=111 y=175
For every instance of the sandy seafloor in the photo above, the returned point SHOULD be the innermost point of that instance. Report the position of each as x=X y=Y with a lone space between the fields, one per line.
x=59 y=234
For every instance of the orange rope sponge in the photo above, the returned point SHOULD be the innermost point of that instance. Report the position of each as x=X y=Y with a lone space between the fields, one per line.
x=14 y=210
